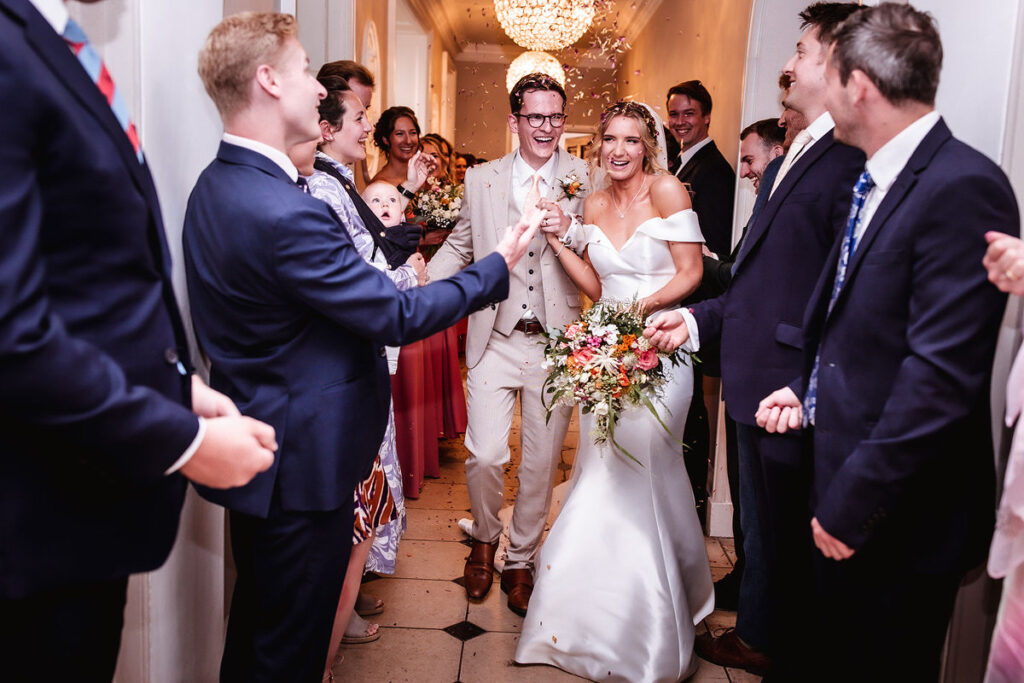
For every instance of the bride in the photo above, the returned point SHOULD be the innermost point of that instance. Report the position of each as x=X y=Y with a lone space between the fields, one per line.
x=623 y=576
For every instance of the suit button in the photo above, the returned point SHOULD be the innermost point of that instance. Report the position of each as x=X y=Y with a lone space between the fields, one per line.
x=531 y=253
x=531 y=271
x=524 y=307
x=383 y=352
x=171 y=356
x=531 y=288
x=493 y=307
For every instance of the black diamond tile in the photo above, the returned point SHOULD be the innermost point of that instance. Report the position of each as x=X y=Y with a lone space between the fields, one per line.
x=468 y=542
x=370 y=576
x=464 y=630
x=461 y=581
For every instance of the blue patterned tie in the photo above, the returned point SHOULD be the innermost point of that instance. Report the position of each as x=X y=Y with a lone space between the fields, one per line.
x=860 y=193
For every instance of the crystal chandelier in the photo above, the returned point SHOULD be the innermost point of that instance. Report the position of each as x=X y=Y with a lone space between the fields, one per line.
x=545 y=24
x=533 y=63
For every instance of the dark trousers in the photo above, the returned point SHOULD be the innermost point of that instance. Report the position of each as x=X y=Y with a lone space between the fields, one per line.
x=68 y=634
x=780 y=481
x=881 y=621
x=291 y=567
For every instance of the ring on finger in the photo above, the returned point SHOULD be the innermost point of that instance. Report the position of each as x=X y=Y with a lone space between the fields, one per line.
x=1010 y=275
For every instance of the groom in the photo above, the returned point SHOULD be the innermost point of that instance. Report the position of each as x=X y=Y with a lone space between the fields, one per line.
x=503 y=348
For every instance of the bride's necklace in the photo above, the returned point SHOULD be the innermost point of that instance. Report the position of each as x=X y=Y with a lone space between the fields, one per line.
x=622 y=212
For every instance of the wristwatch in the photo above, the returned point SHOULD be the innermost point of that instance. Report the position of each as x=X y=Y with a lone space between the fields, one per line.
x=404 y=192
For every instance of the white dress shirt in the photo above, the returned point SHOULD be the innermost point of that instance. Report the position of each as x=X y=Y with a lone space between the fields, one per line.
x=684 y=157
x=275 y=155
x=55 y=13
x=887 y=163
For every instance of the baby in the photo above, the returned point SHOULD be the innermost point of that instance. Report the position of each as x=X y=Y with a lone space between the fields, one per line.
x=385 y=202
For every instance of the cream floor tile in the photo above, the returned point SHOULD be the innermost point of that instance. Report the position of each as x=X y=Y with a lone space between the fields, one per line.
x=443 y=560
x=433 y=525
x=400 y=654
x=417 y=603
x=437 y=495
x=488 y=659
x=741 y=676
x=492 y=613
x=729 y=546
x=716 y=554
x=452 y=472
x=708 y=673
x=720 y=619
x=718 y=571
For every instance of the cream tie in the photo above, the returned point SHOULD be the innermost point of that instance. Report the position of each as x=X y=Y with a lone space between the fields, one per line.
x=532 y=197
x=799 y=143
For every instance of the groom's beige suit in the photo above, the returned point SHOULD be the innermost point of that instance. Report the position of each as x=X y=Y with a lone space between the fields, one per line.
x=503 y=360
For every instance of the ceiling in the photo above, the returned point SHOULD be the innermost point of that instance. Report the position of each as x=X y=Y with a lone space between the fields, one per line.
x=470 y=28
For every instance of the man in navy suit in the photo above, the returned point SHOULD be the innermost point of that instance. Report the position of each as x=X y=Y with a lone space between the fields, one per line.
x=295 y=324
x=95 y=395
x=761 y=338
x=900 y=335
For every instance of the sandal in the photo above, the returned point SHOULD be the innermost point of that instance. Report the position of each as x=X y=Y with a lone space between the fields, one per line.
x=360 y=631
x=368 y=605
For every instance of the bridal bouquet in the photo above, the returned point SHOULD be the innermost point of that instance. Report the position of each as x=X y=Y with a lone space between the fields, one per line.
x=604 y=363
x=436 y=206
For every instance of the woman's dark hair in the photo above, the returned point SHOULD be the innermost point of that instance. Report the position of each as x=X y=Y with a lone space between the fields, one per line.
x=332 y=108
x=386 y=126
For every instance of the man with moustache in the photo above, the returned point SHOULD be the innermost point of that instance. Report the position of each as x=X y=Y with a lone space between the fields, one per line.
x=503 y=349
x=761 y=336
x=899 y=338
x=294 y=322
x=102 y=421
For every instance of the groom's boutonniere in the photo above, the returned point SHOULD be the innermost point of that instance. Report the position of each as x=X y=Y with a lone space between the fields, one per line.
x=572 y=186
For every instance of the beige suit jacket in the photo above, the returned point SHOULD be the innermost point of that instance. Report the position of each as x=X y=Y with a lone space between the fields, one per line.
x=484 y=216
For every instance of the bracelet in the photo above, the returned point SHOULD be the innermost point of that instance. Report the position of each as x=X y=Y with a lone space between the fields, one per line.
x=560 y=250
x=404 y=192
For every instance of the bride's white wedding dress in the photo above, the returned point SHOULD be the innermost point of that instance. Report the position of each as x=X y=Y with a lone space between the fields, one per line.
x=623 y=576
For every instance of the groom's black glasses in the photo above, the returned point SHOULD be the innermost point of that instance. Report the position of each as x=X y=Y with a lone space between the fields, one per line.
x=537 y=120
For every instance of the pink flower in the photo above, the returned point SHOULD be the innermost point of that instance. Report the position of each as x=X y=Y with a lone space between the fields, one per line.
x=573 y=330
x=647 y=360
x=583 y=356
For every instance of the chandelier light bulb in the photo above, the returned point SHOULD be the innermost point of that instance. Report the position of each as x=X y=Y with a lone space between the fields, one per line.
x=545 y=24
x=532 y=63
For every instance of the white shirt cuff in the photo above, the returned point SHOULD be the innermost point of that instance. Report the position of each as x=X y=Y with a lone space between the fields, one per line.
x=693 y=343
x=191 y=450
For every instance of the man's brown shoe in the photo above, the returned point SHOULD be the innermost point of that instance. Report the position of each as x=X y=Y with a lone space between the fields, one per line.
x=479 y=571
x=518 y=583
x=728 y=649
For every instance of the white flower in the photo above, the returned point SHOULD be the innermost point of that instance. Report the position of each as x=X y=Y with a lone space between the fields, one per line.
x=601 y=408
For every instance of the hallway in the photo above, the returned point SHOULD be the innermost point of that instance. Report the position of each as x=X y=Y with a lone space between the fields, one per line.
x=432 y=633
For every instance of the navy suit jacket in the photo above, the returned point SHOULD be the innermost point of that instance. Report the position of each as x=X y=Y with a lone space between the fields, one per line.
x=92 y=394
x=294 y=322
x=903 y=457
x=757 y=322
x=712 y=185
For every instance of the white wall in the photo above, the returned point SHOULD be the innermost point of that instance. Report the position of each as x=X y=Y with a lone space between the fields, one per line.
x=174 y=620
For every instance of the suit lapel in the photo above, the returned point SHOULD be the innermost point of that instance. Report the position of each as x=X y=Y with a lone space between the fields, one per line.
x=905 y=182
x=767 y=214
x=500 y=184
x=65 y=66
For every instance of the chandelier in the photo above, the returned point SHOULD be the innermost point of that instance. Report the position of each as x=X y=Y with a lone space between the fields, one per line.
x=532 y=63
x=545 y=24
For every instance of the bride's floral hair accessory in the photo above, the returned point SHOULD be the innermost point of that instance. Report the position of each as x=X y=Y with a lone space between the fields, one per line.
x=634 y=109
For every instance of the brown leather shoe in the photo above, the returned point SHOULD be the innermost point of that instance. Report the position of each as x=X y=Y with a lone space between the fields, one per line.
x=479 y=571
x=729 y=650
x=518 y=583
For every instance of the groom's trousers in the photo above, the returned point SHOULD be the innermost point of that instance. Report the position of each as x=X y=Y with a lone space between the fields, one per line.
x=510 y=367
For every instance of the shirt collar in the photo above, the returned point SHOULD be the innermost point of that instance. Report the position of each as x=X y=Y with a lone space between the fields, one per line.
x=55 y=13
x=522 y=173
x=684 y=157
x=275 y=155
x=342 y=168
x=891 y=157
x=820 y=127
